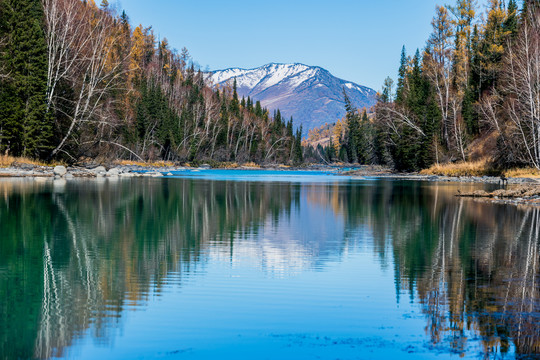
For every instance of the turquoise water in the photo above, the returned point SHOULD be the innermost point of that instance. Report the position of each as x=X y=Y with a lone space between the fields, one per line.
x=259 y=175
x=289 y=266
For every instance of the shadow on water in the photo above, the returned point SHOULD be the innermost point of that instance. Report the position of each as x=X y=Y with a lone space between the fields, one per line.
x=74 y=256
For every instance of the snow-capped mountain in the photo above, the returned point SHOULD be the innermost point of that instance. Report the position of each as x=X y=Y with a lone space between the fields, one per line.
x=310 y=94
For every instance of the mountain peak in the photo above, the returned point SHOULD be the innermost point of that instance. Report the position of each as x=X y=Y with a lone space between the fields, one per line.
x=310 y=94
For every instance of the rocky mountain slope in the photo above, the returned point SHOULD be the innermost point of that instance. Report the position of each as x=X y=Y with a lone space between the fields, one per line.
x=310 y=94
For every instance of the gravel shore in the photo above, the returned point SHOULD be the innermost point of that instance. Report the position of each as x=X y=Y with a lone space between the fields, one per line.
x=520 y=191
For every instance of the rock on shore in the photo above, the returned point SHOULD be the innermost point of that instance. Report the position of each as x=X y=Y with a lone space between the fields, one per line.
x=524 y=194
x=60 y=170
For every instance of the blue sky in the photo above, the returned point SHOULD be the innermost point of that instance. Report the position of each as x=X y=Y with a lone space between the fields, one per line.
x=357 y=40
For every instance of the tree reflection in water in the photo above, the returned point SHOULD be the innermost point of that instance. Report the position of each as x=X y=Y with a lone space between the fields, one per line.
x=74 y=256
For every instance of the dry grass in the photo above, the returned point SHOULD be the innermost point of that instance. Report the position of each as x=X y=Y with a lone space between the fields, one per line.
x=251 y=165
x=523 y=173
x=473 y=168
x=478 y=168
x=227 y=165
x=8 y=161
x=144 y=164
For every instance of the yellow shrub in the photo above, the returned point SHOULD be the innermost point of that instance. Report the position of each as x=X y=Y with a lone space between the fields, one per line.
x=523 y=172
x=7 y=161
x=144 y=164
x=474 y=168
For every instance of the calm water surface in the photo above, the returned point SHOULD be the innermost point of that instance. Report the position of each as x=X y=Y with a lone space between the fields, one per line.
x=284 y=267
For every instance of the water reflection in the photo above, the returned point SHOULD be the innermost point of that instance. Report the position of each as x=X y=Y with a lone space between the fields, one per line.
x=75 y=256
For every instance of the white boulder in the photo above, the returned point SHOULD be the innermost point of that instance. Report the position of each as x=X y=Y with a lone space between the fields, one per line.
x=60 y=170
x=114 y=172
x=99 y=169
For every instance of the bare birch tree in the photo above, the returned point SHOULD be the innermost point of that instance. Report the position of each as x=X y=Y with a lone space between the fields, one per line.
x=80 y=39
x=514 y=110
x=438 y=66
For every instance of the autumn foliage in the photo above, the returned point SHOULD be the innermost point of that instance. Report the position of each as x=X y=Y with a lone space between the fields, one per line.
x=107 y=89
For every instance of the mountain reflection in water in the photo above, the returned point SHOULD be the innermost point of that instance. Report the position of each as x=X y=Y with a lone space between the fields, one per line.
x=76 y=256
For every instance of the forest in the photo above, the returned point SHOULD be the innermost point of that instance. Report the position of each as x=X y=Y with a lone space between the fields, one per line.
x=77 y=81
x=472 y=93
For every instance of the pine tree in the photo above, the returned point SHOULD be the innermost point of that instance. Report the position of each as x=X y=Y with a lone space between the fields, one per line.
x=258 y=109
x=492 y=47
x=298 y=153
x=386 y=95
x=413 y=150
x=353 y=129
x=277 y=121
x=235 y=104
x=26 y=126
x=290 y=127
x=511 y=24
x=403 y=65
x=365 y=144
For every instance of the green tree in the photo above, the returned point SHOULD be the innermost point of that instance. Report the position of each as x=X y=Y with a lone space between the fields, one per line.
x=511 y=24
x=492 y=46
x=386 y=95
x=402 y=73
x=413 y=146
x=298 y=156
x=26 y=126
x=353 y=129
x=365 y=145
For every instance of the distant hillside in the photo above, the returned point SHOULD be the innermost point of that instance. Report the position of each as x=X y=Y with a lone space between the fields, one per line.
x=310 y=94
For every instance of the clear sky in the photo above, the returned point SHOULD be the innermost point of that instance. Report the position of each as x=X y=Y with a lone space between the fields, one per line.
x=357 y=40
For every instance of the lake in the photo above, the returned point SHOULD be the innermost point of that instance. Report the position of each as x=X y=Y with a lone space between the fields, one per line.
x=274 y=265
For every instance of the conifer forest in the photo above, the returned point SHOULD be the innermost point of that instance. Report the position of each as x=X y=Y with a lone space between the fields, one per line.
x=474 y=91
x=78 y=81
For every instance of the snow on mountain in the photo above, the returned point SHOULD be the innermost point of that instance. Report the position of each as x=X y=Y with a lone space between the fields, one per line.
x=310 y=94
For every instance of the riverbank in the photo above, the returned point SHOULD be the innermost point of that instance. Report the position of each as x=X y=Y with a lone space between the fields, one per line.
x=381 y=172
x=516 y=191
x=523 y=194
x=124 y=169
x=521 y=190
x=141 y=169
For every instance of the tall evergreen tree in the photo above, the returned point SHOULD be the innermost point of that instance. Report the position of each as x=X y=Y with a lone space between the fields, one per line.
x=492 y=47
x=298 y=156
x=365 y=144
x=353 y=129
x=26 y=126
x=511 y=24
x=235 y=104
x=413 y=149
x=403 y=64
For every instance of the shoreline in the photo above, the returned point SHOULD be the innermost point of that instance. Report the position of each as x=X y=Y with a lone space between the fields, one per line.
x=30 y=171
x=529 y=187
